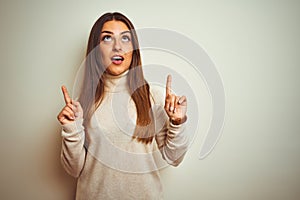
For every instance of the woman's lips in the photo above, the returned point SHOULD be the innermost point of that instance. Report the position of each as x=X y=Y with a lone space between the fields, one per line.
x=117 y=59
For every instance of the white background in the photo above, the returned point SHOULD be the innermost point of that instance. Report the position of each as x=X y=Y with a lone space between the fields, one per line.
x=255 y=46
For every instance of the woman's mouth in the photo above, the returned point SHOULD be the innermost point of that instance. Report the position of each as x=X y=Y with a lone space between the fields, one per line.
x=117 y=59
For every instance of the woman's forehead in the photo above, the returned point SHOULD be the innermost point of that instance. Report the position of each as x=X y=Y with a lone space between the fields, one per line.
x=115 y=27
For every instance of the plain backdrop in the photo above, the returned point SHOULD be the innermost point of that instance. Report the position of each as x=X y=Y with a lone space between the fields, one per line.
x=255 y=46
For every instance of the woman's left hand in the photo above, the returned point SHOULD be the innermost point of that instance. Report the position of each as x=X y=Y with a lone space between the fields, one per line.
x=175 y=106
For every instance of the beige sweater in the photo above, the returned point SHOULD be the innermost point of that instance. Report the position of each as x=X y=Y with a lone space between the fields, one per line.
x=105 y=159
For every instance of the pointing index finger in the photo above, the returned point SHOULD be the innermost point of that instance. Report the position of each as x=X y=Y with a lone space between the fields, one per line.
x=67 y=98
x=168 y=86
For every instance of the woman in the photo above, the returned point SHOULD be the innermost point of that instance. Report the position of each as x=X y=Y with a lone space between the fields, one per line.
x=112 y=135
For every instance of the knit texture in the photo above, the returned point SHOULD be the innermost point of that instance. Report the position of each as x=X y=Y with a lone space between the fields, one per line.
x=108 y=163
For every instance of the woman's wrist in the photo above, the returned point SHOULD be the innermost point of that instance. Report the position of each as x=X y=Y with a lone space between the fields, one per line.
x=74 y=126
x=178 y=121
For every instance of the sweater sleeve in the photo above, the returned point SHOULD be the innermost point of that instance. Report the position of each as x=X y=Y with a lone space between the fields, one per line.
x=73 y=151
x=172 y=143
x=172 y=140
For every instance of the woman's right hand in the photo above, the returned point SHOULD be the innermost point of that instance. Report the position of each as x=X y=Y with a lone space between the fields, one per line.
x=71 y=111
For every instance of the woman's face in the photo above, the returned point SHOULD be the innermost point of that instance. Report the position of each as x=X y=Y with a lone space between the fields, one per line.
x=116 y=47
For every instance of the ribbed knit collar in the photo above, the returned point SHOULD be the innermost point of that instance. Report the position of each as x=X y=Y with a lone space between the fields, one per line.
x=117 y=83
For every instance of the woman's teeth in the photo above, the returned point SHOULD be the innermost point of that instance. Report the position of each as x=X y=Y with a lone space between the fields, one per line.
x=117 y=58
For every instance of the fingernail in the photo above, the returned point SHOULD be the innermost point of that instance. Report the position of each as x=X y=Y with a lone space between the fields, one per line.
x=171 y=108
x=174 y=110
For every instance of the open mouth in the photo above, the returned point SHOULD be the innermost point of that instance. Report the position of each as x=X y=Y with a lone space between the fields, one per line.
x=117 y=58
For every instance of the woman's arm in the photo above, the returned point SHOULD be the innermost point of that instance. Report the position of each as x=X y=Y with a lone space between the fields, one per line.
x=73 y=151
x=73 y=136
x=172 y=142
x=171 y=138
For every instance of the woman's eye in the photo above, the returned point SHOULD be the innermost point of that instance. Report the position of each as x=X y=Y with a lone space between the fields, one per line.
x=125 y=38
x=106 y=38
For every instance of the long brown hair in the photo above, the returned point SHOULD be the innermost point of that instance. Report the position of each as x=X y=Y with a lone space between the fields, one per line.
x=92 y=91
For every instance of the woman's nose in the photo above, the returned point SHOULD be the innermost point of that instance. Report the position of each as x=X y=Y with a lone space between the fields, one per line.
x=117 y=45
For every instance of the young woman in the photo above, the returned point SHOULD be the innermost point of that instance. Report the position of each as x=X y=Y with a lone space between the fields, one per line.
x=121 y=130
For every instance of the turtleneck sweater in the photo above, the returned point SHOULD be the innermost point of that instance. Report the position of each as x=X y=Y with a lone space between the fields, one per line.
x=107 y=162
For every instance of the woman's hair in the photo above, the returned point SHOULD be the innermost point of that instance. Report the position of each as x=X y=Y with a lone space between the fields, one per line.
x=92 y=91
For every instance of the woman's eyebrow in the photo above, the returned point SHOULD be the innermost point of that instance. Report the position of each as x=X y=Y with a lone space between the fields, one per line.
x=109 y=32
x=125 y=32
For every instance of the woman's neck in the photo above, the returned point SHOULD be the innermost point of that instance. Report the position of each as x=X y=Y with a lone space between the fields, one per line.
x=116 y=83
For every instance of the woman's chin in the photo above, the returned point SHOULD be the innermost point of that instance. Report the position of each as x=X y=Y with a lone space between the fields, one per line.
x=116 y=71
